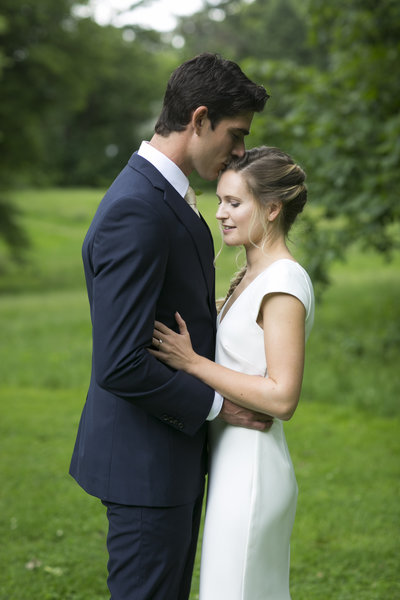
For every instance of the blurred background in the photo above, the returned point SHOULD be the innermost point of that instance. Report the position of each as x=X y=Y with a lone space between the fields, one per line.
x=79 y=94
x=81 y=84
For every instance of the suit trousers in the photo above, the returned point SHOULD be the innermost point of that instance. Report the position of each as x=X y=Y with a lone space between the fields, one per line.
x=151 y=550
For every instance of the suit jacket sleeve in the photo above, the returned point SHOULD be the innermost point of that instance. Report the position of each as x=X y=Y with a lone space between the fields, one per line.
x=128 y=255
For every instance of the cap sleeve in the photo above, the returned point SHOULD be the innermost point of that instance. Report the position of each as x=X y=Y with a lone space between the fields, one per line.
x=286 y=277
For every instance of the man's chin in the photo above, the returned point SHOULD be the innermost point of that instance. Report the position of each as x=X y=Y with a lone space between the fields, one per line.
x=210 y=176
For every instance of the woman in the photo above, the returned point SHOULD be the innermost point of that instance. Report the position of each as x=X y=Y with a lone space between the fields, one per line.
x=262 y=328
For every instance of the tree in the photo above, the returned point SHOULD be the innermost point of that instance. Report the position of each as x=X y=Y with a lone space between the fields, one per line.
x=123 y=91
x=353 y=117
x=41 y=74
x=341 y=121
x=38 y=73
x=359 y=130
x=238 y=29
x=74 y=98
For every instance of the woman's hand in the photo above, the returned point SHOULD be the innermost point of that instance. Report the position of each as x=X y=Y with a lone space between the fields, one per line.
x=174 y=349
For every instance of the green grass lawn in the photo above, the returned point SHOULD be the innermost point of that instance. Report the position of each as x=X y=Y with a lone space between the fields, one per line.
x=344 y=438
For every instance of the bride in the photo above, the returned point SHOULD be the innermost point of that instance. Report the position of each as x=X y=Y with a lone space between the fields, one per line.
x=262 y=328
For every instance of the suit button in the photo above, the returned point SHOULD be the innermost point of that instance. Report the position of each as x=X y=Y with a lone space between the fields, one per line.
x=172 y=421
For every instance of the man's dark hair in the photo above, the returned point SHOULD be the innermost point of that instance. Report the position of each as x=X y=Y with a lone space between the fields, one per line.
x=212 y=81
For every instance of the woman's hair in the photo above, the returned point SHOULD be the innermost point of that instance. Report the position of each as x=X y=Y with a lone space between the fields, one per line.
x=212 y=81
x=270 y=175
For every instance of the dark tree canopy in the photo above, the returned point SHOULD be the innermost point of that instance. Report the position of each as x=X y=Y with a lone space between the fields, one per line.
x=76 y=98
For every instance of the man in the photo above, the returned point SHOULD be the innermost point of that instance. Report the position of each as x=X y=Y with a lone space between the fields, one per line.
x=141 y=444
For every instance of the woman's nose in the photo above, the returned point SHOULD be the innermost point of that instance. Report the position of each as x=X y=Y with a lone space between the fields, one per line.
x=221 y=212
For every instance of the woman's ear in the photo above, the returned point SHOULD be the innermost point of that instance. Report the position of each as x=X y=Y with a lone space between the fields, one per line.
x=198 y=119
x=273 y=210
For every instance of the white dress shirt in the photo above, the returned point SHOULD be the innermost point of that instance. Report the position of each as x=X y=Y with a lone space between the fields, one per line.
x=180 y=182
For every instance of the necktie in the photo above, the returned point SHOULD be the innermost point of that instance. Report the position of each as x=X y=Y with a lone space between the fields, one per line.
x=190 y=198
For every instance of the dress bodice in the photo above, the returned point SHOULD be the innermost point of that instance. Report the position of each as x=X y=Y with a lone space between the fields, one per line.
x=240 y=340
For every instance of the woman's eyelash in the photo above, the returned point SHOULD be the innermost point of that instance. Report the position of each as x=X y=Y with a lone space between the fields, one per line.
x=233 y=203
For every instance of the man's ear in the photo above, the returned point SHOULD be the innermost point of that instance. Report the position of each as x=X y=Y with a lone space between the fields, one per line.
x=274 y=209
x=198 y=119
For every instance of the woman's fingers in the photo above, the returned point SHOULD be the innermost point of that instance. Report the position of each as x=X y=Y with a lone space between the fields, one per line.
x=160 y=327
x=155 y=340
x=181 y=323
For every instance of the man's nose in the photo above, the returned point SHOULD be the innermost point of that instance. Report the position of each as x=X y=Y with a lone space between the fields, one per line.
x=239 y=149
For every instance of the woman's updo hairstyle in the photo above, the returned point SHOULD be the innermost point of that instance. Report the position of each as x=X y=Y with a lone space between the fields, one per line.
x=272 y=175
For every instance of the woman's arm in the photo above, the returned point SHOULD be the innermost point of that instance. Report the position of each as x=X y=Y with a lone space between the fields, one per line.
x=282 y=317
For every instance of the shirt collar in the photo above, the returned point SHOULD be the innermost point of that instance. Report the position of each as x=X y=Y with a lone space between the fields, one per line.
x=166 y=167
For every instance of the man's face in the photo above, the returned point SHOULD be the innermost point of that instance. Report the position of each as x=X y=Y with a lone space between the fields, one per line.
x=216 y=147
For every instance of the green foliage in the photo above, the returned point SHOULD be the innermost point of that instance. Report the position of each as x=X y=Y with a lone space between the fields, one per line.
x=265 y=29
x=124 y=84
x=76 y=98
x=344 y=437
x=40 y=74
x=79 y=95
x=342 y=124
x=15 y=239
x=333 y=106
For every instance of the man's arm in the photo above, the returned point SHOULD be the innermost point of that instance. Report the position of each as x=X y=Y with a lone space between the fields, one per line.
x=242 y=417
x=236 y=415
x=129 y=256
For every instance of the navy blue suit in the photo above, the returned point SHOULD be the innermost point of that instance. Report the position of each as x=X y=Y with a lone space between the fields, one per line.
x=142 y=435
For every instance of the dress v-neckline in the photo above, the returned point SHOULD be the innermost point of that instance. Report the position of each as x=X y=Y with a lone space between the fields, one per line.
x=223 y=313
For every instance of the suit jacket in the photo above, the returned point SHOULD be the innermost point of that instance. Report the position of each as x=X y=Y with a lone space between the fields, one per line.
x=142 y=434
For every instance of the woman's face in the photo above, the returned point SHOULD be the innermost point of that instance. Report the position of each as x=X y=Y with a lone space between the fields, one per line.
x=235 y=211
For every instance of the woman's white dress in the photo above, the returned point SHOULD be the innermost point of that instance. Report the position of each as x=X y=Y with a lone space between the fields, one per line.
x=252 y=491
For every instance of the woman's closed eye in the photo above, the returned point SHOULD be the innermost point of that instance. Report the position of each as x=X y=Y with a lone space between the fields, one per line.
x=233 y=202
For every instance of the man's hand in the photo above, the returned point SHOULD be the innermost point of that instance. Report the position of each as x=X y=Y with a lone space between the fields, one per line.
x=242 y=417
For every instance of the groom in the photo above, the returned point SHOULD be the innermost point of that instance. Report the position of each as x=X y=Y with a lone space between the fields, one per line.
x=141 y=444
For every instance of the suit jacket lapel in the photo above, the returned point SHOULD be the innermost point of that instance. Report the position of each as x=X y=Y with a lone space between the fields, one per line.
x=196 y=227
x=199 y=232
